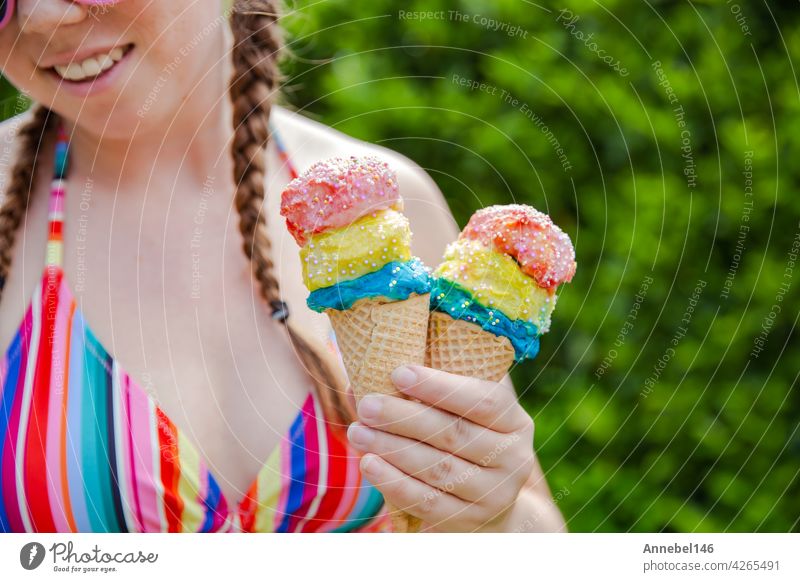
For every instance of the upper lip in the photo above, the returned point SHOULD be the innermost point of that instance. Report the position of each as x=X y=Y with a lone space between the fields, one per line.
x=68 y=57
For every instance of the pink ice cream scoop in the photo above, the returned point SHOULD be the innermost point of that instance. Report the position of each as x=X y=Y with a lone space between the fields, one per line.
x=336 y=192
x=541 y=248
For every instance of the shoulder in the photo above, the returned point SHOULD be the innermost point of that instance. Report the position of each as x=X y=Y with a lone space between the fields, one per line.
x=432 y=223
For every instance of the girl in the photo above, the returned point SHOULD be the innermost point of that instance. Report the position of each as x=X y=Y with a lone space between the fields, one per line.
x=146 y=368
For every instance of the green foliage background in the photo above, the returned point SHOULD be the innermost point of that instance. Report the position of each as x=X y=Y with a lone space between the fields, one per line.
x=714 y=444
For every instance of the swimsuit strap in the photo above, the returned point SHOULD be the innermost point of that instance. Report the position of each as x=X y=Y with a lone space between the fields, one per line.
x=282 y=153
x=55 y=213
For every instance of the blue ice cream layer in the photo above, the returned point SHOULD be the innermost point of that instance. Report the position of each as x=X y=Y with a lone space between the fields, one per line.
x=457 y=302
x=395 y=281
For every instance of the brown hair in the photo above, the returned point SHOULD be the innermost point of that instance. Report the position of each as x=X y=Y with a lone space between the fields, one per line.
x=257 y=45
x=23 y=176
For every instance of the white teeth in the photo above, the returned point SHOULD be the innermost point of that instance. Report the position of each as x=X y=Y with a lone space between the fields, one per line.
x=74 y=71
x=106 y=62
x=90 y=67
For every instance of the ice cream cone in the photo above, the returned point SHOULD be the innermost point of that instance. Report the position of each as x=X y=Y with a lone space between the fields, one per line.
x=495 y=291
x=374 y=337
x=463 y=348
x=346 y=215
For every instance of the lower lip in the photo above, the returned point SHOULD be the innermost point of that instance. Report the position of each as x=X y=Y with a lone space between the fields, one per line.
x=96 y=85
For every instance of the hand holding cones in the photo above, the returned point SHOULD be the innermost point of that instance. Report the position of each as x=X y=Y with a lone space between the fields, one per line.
x=488 y=304
x=345 y=213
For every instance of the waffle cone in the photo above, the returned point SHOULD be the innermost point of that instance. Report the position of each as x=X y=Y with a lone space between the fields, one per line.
x=375 y=336
x=463 y=348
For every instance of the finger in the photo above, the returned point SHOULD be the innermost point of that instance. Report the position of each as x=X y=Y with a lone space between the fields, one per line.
x=438 y=469
x=488 y=404
x=436 y=427
x=439 y=509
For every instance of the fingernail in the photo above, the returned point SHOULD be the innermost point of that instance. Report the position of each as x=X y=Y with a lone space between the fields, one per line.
x=370 y=407
x=370 y=465
x=360 y=435
x=404 y=377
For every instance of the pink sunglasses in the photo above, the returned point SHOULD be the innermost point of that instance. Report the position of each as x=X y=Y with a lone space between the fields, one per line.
x=7 y=8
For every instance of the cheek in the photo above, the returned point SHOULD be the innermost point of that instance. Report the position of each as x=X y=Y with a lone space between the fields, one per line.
x=173 y=60
x=185 y=42
x=181 y=64
x=18 y=67
x=13 y=54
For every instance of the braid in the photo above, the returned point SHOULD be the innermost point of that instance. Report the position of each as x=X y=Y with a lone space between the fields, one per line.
x=257 y=43
x=23 y=177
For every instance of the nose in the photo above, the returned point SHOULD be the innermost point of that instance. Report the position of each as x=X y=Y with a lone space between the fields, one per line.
x=43 y=16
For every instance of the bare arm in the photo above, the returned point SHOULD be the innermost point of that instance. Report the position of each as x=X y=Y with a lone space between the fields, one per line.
x=535 y=510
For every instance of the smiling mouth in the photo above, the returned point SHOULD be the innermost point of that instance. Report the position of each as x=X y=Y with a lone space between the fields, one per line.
x=91 y=69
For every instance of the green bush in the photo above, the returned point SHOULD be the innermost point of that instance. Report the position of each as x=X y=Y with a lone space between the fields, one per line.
x=706 y=440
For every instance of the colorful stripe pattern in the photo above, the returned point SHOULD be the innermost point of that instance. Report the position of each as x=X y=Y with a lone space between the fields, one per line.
x=283 y=154
x=83 y=448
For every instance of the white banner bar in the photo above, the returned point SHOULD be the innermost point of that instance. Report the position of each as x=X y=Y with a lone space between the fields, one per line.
x=389 y=558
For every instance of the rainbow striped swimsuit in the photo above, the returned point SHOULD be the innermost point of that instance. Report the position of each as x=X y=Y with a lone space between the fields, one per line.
x=84 y=448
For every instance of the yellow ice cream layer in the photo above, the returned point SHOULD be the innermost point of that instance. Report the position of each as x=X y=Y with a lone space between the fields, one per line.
x=496 y=281
x=362 y=247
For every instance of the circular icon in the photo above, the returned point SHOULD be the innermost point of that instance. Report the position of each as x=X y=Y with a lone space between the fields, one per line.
x=31 y=555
